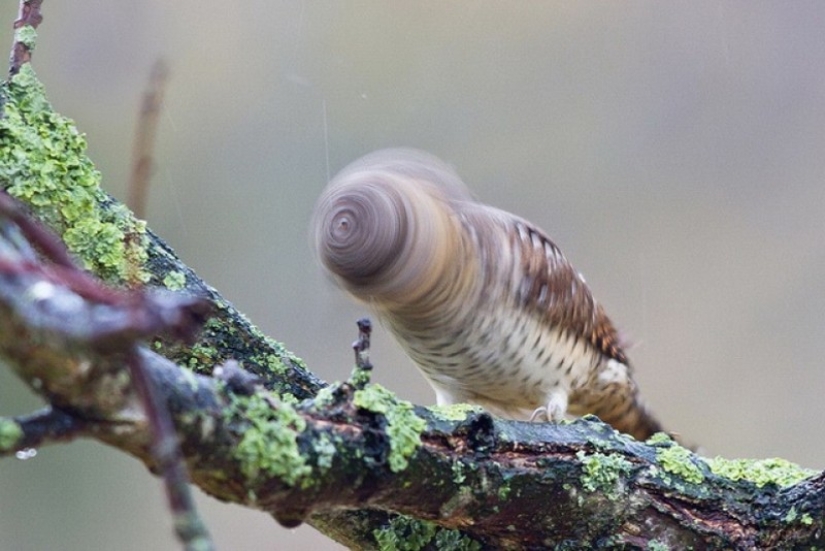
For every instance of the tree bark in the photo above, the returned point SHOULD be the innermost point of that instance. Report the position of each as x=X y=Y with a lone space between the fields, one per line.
x=257 y=428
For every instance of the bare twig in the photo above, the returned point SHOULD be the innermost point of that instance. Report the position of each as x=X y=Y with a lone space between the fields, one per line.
x=189 y=527
x=145 y=139
x=21 y=50
x=47 y=426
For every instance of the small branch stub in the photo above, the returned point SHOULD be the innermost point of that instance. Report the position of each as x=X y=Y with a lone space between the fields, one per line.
x=363 y=366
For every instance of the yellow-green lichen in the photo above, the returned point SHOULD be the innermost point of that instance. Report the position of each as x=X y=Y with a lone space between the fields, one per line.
x=26 y=35
x=269 y=446
x=455 y=412
x=601 y=471
x=806 y=519
x=325 y=449
x=203 y=358
x=759 y=471
x=408 y=534
x=659 y=438
x=360 y=377
x=458 y=472
x=325 y=396
x=448 y=540
x=404 y=534
x=174 y=280
x=404 y=427
x=10 y=434
x=271 y=362
x=679 y=461
x=656 y=545
x=793 y=516
x=43 y=162
x=288 y=398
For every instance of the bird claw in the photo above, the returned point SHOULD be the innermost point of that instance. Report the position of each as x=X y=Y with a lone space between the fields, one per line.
x=540 y=414
x=554 y=411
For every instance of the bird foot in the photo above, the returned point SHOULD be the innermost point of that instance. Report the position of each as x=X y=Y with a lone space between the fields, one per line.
x=540 y=414
x=554 y=411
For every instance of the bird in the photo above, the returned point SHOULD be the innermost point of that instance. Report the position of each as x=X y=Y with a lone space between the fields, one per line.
x=483 y=301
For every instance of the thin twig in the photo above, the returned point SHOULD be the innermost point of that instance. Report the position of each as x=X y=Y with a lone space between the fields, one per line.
x=46 y=426
x=145 y=139
x=21 y=50
x=189 y=527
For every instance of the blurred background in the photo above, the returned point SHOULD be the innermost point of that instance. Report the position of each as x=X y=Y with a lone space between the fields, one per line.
x=673 y=150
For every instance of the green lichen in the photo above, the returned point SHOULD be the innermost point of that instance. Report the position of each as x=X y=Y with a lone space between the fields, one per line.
x=203 y=357
x=459 y=476
x=759 y=471
x=408 y=534
x=655 y=545
x=27 y=36
x=404 y=427
x=659 y=438
x=455 y=412
x=791 y=515
x=10 y=434
x=43 y=162
x=325 y=396
x=806 y=519
x=271 y=362
x=453 y=539
x=360 y=377
x=679 y=461
x=269 y=446
x=174 y=280
x=288 y=398
x=404 y=534
x=325 y=449
x=602 y=471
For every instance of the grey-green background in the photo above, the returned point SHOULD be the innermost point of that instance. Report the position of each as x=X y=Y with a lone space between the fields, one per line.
x=674 y=151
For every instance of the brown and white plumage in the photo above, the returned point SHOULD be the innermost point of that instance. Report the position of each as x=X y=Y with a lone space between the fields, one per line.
x=483 y=302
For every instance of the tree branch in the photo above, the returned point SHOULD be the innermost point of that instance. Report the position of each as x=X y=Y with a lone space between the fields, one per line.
x=347 y=458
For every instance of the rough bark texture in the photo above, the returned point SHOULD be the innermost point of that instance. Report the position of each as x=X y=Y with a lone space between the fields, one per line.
x=367 y=469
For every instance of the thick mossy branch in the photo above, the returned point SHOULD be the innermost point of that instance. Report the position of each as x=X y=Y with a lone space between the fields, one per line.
x=43 y=163
x=500 y=484
x=348 y=458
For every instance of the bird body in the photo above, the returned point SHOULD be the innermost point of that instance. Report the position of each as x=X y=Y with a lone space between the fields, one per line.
x=482 y=301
